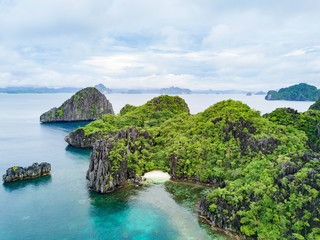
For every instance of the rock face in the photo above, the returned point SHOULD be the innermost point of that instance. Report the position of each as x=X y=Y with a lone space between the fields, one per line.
x=289 y=184
x=109 y=169
x=78 y=138
x=20 y=173
x=86 y=105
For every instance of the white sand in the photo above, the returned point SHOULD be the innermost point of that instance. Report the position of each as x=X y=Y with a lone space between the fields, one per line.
x=157 y=175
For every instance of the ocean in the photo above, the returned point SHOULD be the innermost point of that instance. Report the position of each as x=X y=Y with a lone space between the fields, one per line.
x=60 y=206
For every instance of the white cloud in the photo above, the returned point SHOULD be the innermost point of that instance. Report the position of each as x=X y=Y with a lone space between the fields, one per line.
x=146 y=43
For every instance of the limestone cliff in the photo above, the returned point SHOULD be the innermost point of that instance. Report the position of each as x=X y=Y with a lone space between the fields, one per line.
x=21 y=173
x=86 y=105
x=289 y=184
x=112 y=161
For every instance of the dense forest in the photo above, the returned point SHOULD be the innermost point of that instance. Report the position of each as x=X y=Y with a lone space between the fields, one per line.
x=298 y=92
x=265 y=167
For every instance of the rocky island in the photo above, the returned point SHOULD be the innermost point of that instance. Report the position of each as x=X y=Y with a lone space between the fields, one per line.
x=86 y=105
x=265 y=168
x=21 y=173
x=298 y=92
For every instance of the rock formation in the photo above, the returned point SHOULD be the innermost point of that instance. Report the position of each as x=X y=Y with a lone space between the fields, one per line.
x=288 y=182
x=20 y=173
x=110 y=163
x=78 y=138
x=86 y=105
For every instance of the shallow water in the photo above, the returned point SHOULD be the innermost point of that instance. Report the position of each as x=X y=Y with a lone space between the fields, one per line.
x=61 y=207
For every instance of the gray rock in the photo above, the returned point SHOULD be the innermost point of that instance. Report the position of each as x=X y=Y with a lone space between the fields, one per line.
x=21 y=173
x=86 y=105
x=106 y=174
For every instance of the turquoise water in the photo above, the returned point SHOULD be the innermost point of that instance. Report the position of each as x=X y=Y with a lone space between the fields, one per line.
x=61 y=207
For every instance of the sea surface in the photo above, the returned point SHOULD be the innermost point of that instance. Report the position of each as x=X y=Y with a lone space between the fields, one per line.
x=61 y=207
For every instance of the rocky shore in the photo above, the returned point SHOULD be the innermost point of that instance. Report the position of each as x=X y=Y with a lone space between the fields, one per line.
x=21 y=173
x=86 y=105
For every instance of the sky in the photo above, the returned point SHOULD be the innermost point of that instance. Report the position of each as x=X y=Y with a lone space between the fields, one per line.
x=195 y=44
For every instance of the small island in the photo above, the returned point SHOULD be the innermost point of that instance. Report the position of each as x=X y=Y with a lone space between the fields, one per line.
x=20 y=173
x=86 y=105
x=175 y=90
x=298 y=92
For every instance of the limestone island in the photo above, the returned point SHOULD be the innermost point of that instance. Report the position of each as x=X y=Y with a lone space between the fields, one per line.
x=264 y=170
x=20 y=173
x=298 y=92
x=86 y=105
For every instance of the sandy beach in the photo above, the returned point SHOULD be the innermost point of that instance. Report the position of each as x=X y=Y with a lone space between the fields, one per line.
x=157 y=175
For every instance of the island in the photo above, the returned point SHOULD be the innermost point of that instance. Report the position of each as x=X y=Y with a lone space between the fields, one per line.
x=20 y=173
x=298 y=92
x=175 y=90
x=102 y=88
x=265 y=169
x=86 y=105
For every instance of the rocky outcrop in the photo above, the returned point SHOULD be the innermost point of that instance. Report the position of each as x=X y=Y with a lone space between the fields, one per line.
x=219 y=218
x=237 y=130
x=78 y=138
x=86 y=105
x=290 y=183
x=110 y=162
x=21 y=173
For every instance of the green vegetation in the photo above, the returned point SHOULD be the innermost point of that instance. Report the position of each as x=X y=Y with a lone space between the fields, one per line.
x=14 y=168
x=299 y=92
x=151 y=114
x=268 y=182
x=309 y=122
x=315 y=106
x=92 y=110
x=59 y=112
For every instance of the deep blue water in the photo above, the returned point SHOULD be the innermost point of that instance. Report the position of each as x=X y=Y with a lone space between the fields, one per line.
x=60 y=206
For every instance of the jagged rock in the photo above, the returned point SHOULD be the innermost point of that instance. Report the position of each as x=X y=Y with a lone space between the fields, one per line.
x=78 y=138
x=86 y=105
x=219 y=215
x=265 y=145
x=106 y=172
x=218 y=218
x=21 y=173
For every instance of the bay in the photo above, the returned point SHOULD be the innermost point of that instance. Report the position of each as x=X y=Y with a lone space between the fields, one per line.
x=61 y=207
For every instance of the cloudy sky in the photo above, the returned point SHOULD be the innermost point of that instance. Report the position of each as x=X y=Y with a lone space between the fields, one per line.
x=196 y=44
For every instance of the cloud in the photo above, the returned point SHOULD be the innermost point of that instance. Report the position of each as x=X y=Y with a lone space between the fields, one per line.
x=146 y=43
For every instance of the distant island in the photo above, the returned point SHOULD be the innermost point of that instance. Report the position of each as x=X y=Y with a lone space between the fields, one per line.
x=15 y=90
x=298 y=92
x=175 y=90
x=105 y=90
